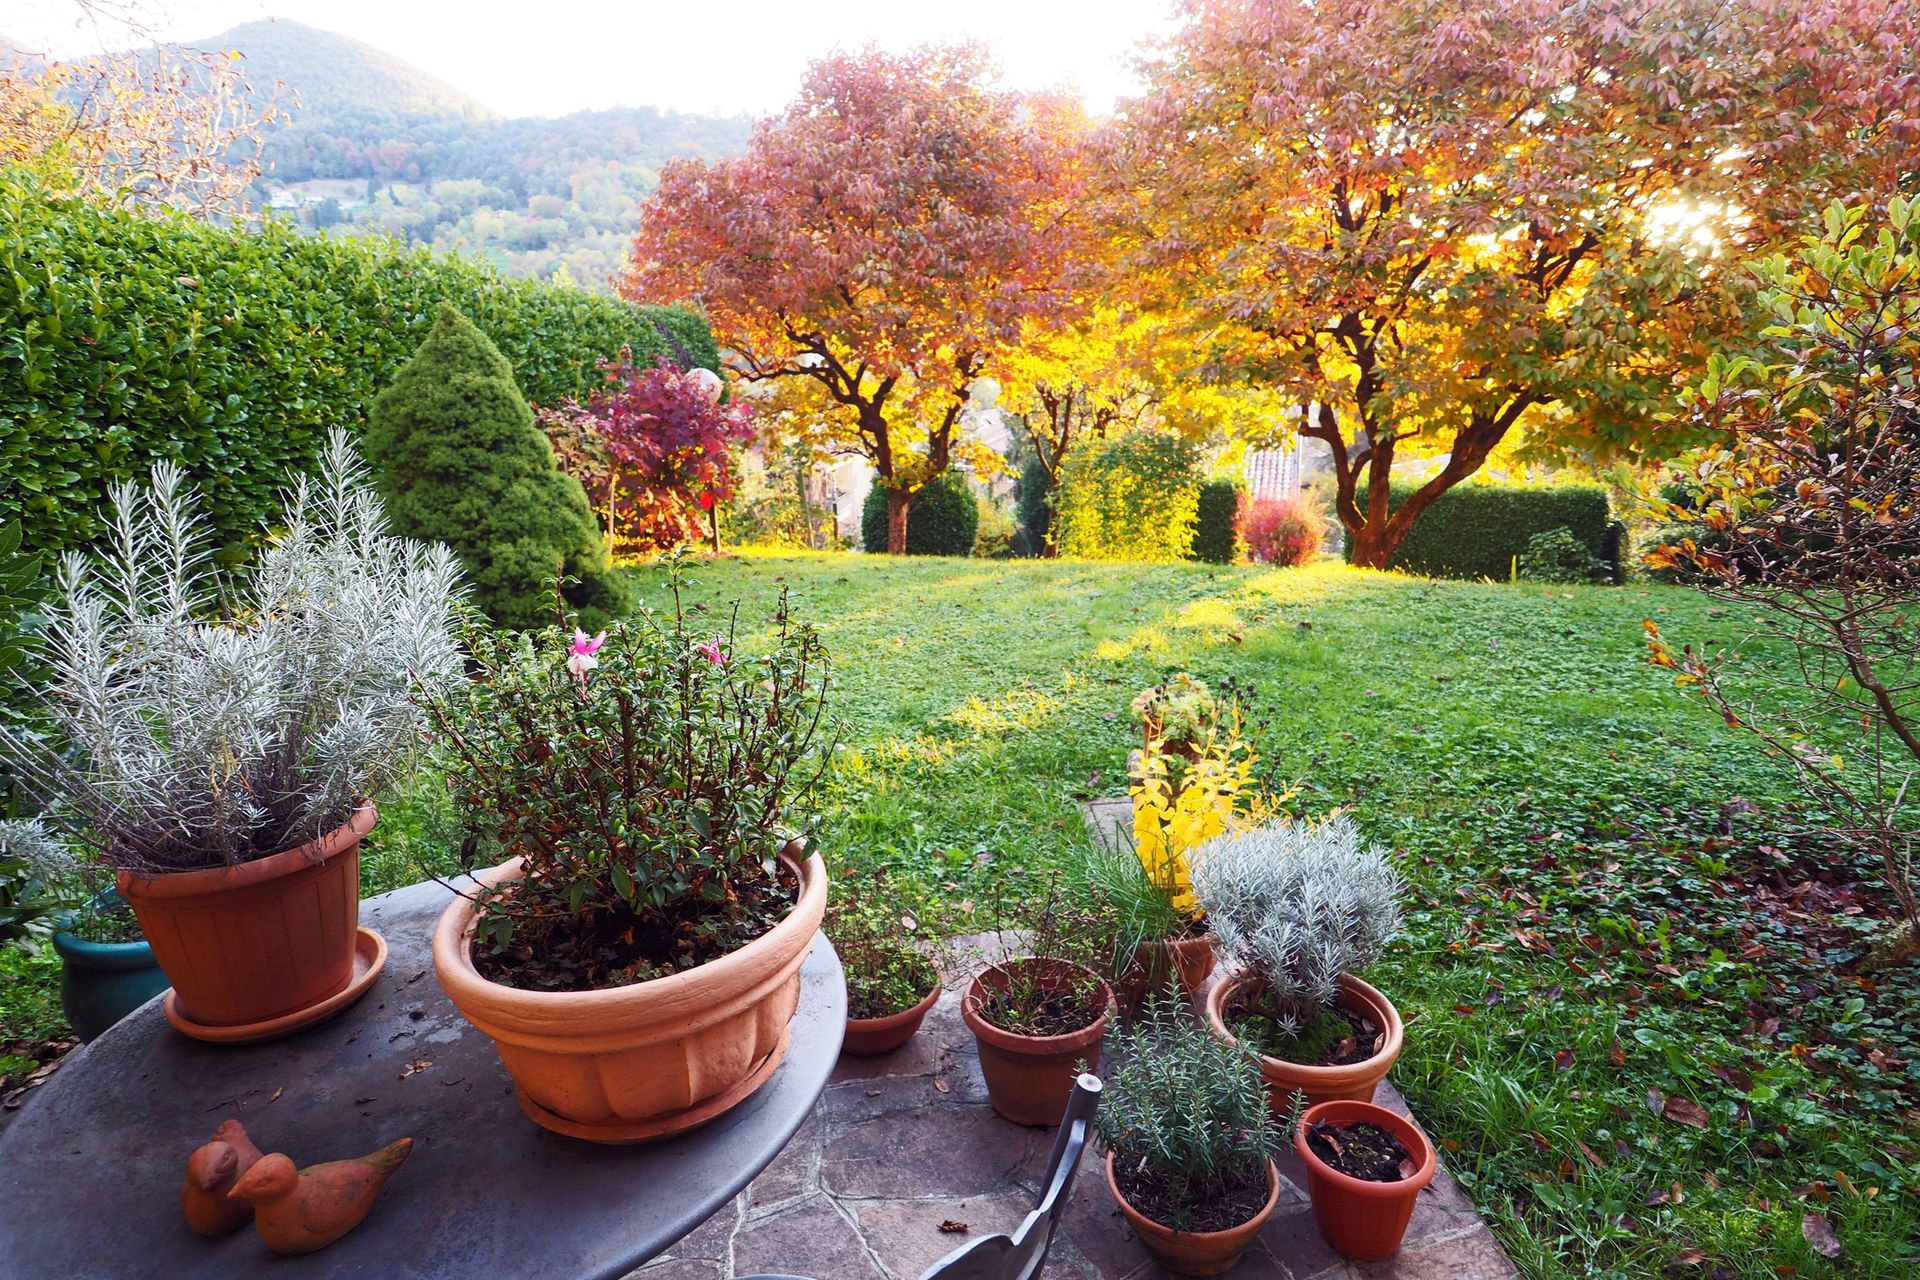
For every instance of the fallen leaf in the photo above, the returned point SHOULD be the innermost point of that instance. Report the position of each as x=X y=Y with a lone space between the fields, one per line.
x=1587 y=1151
x=1819 y=1235
x=1686 y=1111
x=1617 y=1056
x=1563 y=1060
x=942 y=1085
x=418 y=1064
x=1656 y=1101
x=1408 y=1168
x=952 y=1228
x=1690 y=1258
x=275 y=1096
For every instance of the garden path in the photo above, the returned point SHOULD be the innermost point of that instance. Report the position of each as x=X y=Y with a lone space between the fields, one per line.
x=904 y=1147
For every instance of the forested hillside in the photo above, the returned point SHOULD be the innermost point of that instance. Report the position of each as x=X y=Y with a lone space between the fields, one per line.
x=375 y=144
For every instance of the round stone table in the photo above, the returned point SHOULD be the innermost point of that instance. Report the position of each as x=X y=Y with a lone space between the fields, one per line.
x=90 y=1171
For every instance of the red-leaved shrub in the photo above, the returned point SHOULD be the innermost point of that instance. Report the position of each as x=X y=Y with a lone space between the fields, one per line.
x=1280 y=530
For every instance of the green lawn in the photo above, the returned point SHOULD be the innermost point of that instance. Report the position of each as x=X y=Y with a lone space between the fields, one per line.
x=1608 y=924
x=1602 y=918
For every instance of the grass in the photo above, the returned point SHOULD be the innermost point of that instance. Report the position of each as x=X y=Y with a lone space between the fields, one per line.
x=1633 y=1025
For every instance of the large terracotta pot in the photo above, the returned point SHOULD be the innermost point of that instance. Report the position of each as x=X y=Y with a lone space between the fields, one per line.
x=257 y=942
x=870 y=1037
x=1354 y=1082
x=636 y=1063
x=1182 y=964
x=1196 y=1253
x=1364 y=1220
x=1031 y=1078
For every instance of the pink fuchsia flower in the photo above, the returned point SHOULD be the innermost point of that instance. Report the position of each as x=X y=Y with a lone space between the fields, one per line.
x=580 y=658
x=712 y=652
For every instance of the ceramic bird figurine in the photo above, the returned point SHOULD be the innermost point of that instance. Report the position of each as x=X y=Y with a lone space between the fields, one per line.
x=298 y=1211
x=212 y=1170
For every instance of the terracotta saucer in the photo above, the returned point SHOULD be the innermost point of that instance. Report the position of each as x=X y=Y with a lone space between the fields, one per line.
x=369 y=958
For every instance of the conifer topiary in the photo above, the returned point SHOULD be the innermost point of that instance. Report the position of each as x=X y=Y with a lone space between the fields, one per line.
x=462 y=462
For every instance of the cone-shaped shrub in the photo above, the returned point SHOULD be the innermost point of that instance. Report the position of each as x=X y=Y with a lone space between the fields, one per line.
x=462 y=462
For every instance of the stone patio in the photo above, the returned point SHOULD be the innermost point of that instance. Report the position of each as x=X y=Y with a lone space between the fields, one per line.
x=903 y=1149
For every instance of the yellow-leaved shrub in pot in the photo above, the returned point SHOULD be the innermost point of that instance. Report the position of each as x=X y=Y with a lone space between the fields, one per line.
x=1297 y=907
x=635 y=955
x=226 y=729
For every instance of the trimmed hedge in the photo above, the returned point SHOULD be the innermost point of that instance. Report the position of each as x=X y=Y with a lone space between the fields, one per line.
x=126 y=338
x=944 y=519
x=1036 y=507
x=1478 y=530
x=1216 y=523
x=1129 y=497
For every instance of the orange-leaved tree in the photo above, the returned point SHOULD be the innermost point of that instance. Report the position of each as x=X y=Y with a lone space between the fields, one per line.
x=883 y=239
x=1456 y=226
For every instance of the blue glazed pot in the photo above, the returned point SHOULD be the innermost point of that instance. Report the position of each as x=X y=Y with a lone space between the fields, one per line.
x=103 y=982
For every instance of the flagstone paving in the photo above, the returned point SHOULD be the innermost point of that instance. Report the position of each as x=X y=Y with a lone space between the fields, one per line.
x=903 y=1149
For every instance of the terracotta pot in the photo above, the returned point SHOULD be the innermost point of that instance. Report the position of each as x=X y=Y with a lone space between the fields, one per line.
x=1030 y=1078
x=636 y=1063
x=1354 y=1082
x=263 y=939
x=869 y=1037
x=1196 y=1253
x=1183 y=962
x=1364 y=1220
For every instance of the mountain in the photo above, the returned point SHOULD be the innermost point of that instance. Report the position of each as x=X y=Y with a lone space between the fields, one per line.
x=377 y=145
x=336 y=74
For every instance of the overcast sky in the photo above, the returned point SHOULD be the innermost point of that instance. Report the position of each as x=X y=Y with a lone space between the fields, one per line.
x=548 y=57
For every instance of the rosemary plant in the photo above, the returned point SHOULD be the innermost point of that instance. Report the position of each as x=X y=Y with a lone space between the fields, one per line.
x=199 y=721
x=1187 y=1118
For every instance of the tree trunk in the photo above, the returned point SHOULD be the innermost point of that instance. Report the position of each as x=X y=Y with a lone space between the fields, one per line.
x=898 y=500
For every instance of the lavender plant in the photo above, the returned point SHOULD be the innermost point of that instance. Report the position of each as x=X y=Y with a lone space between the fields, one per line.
x=1299 y=903
x=200 y=721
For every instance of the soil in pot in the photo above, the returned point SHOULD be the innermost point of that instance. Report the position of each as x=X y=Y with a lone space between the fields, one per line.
x=1362 y=1150
x=554 y=948
x=1335 y=1037
x=1228 y=1201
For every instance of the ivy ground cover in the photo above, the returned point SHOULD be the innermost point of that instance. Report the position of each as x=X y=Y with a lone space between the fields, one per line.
x=1636 y=1025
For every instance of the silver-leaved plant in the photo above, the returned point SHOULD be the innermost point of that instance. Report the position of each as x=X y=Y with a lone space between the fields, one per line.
x=202 y=721
x=1298 y=902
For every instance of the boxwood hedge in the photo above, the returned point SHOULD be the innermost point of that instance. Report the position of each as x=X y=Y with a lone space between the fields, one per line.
x=1478 y=530
x=126 y=338
x=943 y=520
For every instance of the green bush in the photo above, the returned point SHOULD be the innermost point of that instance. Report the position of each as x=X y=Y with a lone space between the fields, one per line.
x=1129 y=497
x=1216 y=523
x=460 y=461
x=1480 y=530
x=1558 y=556
x=999 y=533
x=127 y=338
x=944 y=519
x=1036 y=509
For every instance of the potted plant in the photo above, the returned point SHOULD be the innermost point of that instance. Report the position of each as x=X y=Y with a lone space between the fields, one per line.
x=1157 y=946
x=1365 y=1168
x=892 y=983
x=1039 y=1020
x=107 y=969
x=1190 y=1141
x=1177 y=717
x=1298 y=907
x=636 y=954
x=214 y=741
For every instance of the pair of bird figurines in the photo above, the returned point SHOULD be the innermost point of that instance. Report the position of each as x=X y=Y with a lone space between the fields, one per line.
x=295 y=1210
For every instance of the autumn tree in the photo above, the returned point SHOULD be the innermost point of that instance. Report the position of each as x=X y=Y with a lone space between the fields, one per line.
x=1449 y=226
x=175 y=127
x=882 y=239
x=1804 y=513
